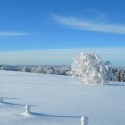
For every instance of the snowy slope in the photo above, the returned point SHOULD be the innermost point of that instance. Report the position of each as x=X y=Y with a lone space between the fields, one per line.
x=58 y=100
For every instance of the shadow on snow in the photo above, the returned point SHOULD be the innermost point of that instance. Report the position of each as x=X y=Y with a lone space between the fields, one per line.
x=58 y=116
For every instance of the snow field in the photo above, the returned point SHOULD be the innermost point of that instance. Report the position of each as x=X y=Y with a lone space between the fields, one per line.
x=58 y=100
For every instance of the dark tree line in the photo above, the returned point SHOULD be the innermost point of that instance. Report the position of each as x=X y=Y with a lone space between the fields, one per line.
x=119 y=74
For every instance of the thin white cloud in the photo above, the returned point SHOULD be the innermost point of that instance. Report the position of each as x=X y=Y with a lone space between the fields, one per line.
x=89 y=25
x=60 y=56
x=95 y=15
x=12 y=34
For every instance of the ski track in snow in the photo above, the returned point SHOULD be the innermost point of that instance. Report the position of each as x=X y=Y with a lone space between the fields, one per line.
x=58 y=100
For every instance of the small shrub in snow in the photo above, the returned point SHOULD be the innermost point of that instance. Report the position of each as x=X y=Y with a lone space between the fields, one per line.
x=90 y=69
x=84 y=120
x=27 y=108
x=1 y=99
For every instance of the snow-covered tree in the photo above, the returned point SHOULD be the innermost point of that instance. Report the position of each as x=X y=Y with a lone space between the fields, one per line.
x=90 y=69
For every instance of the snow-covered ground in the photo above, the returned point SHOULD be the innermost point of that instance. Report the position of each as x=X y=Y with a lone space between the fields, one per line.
x=58 y=100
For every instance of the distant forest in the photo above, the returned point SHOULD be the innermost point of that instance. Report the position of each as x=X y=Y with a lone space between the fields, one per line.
x=118 y=73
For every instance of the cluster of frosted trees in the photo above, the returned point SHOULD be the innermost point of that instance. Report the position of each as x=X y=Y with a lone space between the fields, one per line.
x=60 y=70
x=86 y=66
x=90 y=69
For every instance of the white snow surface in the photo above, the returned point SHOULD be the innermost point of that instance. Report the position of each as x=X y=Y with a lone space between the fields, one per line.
x=58 y=100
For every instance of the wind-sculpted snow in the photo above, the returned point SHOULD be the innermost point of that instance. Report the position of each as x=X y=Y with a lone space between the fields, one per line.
x=58 y=100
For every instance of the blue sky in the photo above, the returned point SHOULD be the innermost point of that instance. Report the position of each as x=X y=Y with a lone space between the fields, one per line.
x=45 y=25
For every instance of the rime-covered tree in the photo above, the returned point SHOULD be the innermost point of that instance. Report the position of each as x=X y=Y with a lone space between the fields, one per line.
x=90 y=69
